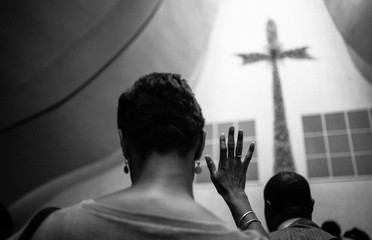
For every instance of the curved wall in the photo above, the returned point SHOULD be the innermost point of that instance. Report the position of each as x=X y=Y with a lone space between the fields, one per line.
x=64 y=67
x=354 y=21
x=73 y=149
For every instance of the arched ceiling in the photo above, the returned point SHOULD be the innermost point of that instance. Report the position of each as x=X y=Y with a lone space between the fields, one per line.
x=354 y=21
x=64 y=64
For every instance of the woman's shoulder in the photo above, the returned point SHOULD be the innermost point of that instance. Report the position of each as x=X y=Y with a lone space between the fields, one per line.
x=58 y=221
x=157 y=205
x=88 y=218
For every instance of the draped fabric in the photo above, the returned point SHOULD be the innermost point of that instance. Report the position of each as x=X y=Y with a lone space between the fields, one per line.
x=354 y=21
x=63 y=65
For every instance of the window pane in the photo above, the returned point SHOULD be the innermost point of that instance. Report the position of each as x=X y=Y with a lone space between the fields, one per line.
x=317 y=167
x=224 y=128
x=314 y=145
x=208 y=150
x=362 y=141
x=342 y=166
x=335 y=121
x=204 y=176
x=338 y=143
x=364 y=164
x=252 y=173
x=312 y=123
x=248 y=128
x=358 y=119
x=209 y=130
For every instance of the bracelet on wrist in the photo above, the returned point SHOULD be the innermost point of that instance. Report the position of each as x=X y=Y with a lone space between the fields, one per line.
x=243 y=216
x=246 y=224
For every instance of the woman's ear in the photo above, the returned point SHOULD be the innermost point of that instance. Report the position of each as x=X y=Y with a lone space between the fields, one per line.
x=120 y=137
x=123 y=144
x=201 y=145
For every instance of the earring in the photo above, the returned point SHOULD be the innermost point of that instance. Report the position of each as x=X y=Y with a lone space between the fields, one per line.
x=126 y=168
x=198 y=169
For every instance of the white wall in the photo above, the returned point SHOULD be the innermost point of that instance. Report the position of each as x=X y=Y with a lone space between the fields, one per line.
x=229 y=91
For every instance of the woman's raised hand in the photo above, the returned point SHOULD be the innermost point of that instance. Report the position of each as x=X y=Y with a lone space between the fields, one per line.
x=230 y=177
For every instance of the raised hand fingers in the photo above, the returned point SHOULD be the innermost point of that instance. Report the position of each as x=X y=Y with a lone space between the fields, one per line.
x=223 y=151
x=249 y=155
x=239 y=144
x=231 y=143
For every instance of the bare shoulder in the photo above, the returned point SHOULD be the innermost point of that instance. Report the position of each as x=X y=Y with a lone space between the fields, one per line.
x=57 y=224
x=50 y=226
x=158 y=204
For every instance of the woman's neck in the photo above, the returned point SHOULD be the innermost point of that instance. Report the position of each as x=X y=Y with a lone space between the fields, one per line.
x=163 y=188
x=166 y=174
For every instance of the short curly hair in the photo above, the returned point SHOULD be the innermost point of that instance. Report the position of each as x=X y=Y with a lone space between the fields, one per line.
x=160 y=114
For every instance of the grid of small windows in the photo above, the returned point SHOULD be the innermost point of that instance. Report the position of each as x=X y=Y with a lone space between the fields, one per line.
x=212 y=146
x=339 y=144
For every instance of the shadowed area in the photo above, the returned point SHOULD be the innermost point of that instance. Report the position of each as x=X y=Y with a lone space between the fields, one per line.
x=63 y=67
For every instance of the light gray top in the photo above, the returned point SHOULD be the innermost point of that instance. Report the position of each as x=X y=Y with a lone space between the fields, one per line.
x=95 y=220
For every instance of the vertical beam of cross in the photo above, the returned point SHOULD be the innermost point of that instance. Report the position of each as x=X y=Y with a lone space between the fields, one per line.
x=283 y=160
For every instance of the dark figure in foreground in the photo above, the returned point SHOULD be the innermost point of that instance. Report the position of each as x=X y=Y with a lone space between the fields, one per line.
x=356 y=234
x=6 y=222
x=333 y=228
x=162 y=138
x=289 y=208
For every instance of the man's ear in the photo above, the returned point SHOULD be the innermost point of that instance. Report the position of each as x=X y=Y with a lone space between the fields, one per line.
x=312 y=204
x=268 y=215
x=201 y=145
x=268 y=204
x=268 y=209
x=124 y=145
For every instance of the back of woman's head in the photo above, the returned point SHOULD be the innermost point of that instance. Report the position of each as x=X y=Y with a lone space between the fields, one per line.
x=160 y=113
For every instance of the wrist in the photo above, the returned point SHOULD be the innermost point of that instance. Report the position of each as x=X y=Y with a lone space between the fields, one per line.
x=238 y=203
x=236 y=198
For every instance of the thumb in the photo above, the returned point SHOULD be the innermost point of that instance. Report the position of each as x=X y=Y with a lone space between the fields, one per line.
x=211 y=166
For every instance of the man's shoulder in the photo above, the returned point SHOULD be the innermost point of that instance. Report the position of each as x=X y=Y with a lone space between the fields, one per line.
x=301 y=229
